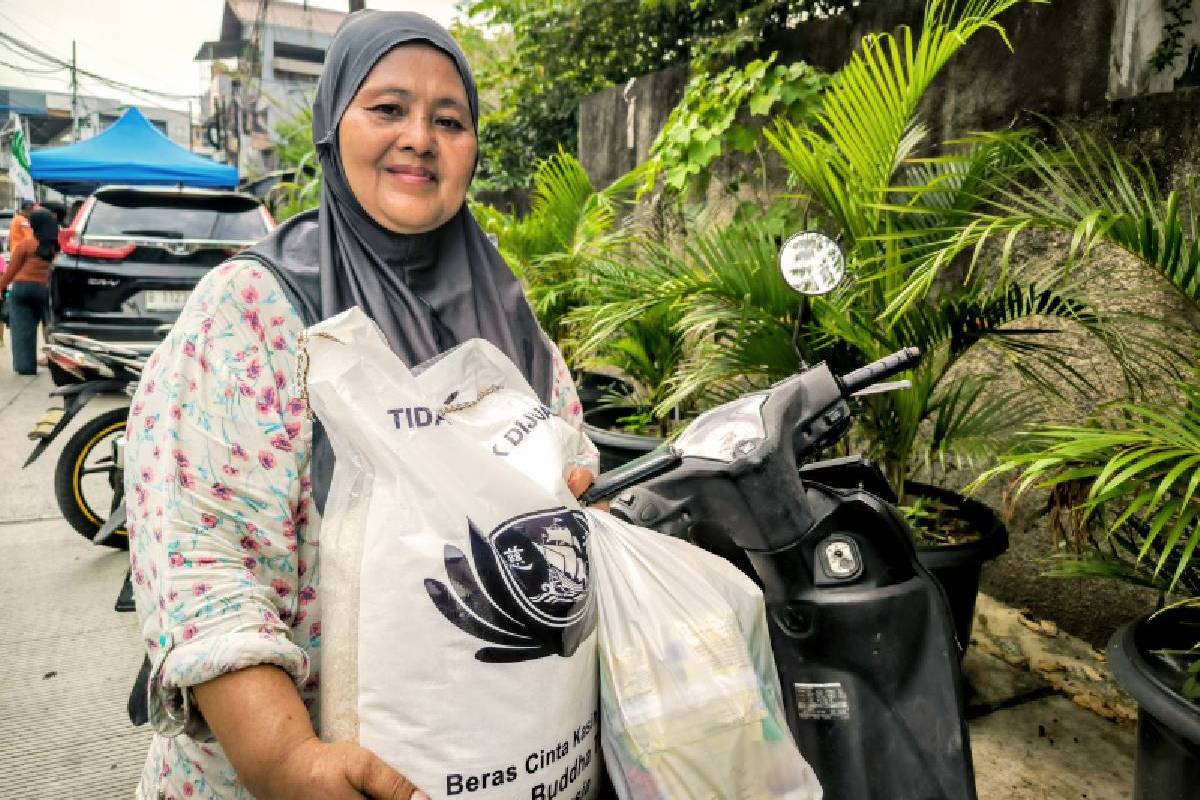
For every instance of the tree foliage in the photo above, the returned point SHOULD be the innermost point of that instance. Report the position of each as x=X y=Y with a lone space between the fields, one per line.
x=563 y=51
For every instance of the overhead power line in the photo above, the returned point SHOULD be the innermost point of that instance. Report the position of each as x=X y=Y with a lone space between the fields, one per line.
x=41 y=62
x=37 y=53
x=30 y=70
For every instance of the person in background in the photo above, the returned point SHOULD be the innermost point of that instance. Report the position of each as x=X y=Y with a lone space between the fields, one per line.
x=58 y=209
x=18 y=229
x=3 y=306
x=29 y=275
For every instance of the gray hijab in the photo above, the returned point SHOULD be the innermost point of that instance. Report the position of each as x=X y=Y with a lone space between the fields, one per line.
x=427 y=292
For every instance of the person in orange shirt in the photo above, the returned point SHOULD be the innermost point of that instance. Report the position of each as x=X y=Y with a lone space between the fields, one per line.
x=29 y=274
x=19 y=230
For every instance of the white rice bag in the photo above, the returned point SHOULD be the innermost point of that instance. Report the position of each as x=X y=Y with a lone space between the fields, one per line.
x=457 y=615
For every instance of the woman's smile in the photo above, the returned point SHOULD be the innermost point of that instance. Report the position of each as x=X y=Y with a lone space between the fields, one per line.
x=412 y=175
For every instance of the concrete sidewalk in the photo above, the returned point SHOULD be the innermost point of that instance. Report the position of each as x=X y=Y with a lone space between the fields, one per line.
x=67 y=662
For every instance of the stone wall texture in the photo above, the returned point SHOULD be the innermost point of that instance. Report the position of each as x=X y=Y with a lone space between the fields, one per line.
x=1060 y=64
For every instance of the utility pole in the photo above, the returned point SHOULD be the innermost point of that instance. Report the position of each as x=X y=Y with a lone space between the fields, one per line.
x=74 y=97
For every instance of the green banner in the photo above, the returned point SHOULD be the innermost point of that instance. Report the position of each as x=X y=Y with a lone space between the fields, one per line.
x=20 y=151
x=18 y=165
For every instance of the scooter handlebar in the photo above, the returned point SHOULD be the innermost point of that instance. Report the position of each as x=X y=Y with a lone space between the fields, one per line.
x=876 y=371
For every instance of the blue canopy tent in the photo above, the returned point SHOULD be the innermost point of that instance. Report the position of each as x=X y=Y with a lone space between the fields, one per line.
x=130 y=151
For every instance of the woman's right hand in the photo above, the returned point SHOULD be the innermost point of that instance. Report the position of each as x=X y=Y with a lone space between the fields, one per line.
x=338 y=771
x=264 y=728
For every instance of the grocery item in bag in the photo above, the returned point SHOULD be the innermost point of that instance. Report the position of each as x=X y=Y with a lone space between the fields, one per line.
x=458 y=620
x=690 y=701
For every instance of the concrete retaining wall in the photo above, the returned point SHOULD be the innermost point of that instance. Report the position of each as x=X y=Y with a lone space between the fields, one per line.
x=1061 y=65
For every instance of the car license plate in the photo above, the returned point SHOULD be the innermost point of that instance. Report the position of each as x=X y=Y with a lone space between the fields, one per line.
x=166 y=301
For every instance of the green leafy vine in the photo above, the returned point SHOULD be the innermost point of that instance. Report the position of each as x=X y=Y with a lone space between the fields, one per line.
x=712 y=117
x=1171 y=45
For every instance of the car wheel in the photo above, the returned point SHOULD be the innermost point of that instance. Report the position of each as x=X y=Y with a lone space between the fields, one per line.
x=87 y=477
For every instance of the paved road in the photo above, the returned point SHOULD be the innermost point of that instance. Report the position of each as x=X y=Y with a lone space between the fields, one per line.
x=67 y=661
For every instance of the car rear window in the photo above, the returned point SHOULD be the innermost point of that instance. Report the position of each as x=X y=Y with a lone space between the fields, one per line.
x=213 y=217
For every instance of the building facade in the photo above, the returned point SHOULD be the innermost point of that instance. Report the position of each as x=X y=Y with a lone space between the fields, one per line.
x=264 y=70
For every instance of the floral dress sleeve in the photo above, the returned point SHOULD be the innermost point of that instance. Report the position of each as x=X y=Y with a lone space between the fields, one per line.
x=215 y=493
x=564 y=401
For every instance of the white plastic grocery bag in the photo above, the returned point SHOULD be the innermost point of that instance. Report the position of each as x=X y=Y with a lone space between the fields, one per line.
x=689 y=693
x=458 y=623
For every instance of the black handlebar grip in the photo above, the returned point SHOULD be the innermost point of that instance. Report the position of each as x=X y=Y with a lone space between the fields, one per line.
x=876 y=371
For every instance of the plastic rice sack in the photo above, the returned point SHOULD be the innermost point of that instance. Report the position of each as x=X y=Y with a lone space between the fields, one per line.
x=690 y=701
x=458 y=620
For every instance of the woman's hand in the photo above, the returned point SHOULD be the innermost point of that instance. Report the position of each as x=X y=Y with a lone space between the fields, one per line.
x=325 y=771
x=579 y=479
x=264 y=728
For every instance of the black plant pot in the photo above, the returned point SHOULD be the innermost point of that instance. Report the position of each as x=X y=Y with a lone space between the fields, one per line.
x=591 y=387
x=1168 y=754
x=957 y=566
x=618 y=448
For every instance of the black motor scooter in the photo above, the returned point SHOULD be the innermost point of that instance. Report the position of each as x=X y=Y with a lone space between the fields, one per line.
x=862 y=633
x=88 y=479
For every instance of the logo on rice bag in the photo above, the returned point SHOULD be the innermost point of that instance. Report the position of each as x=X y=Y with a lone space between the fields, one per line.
x=528 y=594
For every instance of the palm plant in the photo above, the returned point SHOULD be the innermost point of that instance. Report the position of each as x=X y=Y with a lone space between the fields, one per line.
x=1141 y=463
x=1139 y=460
x=570 y=225
x=645 y=354
x=857 y=166
x=296 y=151
x=731 y=312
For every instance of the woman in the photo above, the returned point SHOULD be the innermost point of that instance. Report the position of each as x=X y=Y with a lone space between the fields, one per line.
x=29 y=275
x=227 y=476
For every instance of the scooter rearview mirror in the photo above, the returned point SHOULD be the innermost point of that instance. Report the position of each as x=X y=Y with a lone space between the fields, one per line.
x=812 y=263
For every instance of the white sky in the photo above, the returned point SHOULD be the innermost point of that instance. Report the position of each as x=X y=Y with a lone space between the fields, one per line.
x=147 y=43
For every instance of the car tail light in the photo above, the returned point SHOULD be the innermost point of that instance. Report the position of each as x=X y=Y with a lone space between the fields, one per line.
x=68 y=240
x=70 y=243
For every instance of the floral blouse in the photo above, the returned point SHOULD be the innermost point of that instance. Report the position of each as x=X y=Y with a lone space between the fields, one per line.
x=222 y=529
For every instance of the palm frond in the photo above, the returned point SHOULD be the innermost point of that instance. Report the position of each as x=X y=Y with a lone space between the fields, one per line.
x=570 y=226
x=1097 y=566
x=971 y=421
x=1141 y=460
x=1079 y=186
x=866 y=126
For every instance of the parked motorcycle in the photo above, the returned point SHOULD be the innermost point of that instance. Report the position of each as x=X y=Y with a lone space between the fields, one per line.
x=862 y=633
x=88 y=478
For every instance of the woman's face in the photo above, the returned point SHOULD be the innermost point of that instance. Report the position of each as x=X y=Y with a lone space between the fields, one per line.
x=407 y=142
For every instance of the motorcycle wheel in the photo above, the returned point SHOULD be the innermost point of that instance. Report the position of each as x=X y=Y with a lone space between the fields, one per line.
x=78 y=485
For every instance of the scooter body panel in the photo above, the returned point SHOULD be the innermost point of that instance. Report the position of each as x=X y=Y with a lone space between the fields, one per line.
x=868 y=663
x=862 y=634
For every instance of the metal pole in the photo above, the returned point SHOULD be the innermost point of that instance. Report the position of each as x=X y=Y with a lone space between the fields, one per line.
x=74 y=97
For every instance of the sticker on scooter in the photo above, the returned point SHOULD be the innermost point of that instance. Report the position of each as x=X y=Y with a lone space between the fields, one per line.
x=821 y=701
